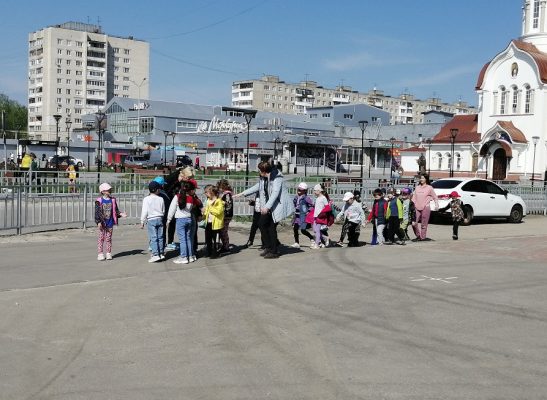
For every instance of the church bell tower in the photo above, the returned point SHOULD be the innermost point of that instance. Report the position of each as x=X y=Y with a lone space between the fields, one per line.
x=534 y=23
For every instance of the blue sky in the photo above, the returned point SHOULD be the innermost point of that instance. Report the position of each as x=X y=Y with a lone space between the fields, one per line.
x=197 y=48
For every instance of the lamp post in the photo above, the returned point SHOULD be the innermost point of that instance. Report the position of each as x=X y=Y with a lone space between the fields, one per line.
x=429 y=143
x=5 y=148
x=370 y=141
x=392 y=141
x=88 y=127
x=453 y=134
x=68 y=124
x=535 y=140
x=363 y=126
x=173 y=134
x=57 y=118
x=165 y=133
x=249 y=114
x=235 y=152
x=138 y=85
x=100 y=117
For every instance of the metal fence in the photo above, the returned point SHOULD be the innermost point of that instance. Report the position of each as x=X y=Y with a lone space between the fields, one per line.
x=39 y=203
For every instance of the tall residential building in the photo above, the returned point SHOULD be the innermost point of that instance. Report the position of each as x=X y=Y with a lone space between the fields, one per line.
x=272 y=94
x=75 y=69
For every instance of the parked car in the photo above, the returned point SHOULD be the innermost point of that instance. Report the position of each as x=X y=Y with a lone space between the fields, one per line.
x=64 y=161
x=481 y=198
x=135 y=161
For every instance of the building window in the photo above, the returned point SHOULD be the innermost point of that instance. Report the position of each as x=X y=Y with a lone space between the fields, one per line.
x=474 y=162
x=59 y=91
x=116 y=50
x=78 y=63
x=79 y=54
x=515 y=100
x=325 y=115
x=535 y=19
x=126 y=70
x=126 y=60
x=439 y=161
x=528 y=100
x=59 y=41
x=68 y=91
x=126 y=51
x=68 y=52
x=348 y=116
x=503 y=101
x=147 y=125
x=126 y=88
x=79 y=44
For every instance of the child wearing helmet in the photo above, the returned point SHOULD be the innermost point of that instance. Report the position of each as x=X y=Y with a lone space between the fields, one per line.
x=302 y=206
x=106 y=216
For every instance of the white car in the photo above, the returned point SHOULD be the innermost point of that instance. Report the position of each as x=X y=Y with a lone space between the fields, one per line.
x=481 y=198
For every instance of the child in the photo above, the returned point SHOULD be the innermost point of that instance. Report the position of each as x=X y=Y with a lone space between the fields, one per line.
x=409 y=212
x=394 y=216
x=321 y=213
x=226 y=190
x=214 y=219
x=197 y=208
x=353 y=215
x=378 y=216
x=256 y=218
x=166 y=203
x=302 y=206
x=181 y=209
x=456 y=208
x=153 y=209
x=106 y=216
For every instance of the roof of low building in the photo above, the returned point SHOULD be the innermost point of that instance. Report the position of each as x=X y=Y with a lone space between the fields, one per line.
x=467 y=130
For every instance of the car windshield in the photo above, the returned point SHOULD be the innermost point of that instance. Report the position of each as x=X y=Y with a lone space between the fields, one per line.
x=445 y=184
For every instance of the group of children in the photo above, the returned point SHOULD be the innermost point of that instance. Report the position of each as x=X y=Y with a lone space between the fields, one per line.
x=177 y=205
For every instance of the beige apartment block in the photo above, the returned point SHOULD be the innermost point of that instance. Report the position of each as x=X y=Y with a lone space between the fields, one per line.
x=75 y=69
x=272 y=94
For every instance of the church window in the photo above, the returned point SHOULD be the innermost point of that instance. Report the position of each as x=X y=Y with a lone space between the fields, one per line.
x=495 y=103
x=515 y=104
x=474 y=162
x=528 y=100
x=535 y=20
x=458 y=158
x=503 y=101
x=439 y=161
x=449 y=161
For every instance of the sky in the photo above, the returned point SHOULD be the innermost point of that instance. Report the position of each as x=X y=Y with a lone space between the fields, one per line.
x=428 y=48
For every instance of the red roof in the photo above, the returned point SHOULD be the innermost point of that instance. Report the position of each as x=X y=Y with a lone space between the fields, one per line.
x=414 y=149
x=515 y=133
x=539 y=57
x=467 y=130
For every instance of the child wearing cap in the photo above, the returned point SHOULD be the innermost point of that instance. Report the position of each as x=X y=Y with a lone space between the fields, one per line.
x=456 y=209
x=302 y=206
x=377 y=216
x=353 y=215
x=394 y=217
x=153 y=210
x=106 y=216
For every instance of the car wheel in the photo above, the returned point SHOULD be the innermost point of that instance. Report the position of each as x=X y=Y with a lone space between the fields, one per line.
x=467 y=215
x=80 y=164
x=516 y=214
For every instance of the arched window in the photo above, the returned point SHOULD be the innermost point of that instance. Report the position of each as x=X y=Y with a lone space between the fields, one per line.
x=495 y=103
x=529 y=97
x=458 y=158
x=503 y=102
x=449 y=161
x=515 y=103
x=439 y=161
x=475 y=162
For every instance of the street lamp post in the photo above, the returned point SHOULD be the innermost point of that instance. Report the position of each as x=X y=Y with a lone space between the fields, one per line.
x=88 y=127
x=392 y=141
x=165 y=133
x=68 y=124
x=370 y=141
x=100 y=116
x=429 y=143
x=57 y=118
x=249 y=114
x=363 y=126
x=5 y=148
x=235 y=152
x=535 y=140
x=453 y=134
x=173 y=134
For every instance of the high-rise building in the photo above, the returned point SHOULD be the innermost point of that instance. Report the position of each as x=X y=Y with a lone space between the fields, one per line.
x=75 y=69
x=272 y=94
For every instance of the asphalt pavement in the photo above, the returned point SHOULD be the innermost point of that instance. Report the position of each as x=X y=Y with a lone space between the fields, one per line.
x=441 y=319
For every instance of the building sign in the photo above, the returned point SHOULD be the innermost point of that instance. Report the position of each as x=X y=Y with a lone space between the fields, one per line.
x=139 y=106
x=219 y=126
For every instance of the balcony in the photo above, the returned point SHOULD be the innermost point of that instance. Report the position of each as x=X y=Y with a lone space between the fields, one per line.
x=304 y=104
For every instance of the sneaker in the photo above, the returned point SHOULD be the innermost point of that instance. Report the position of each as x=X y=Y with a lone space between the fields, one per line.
x=327 y=242
x=266 y=251
x=314 y=246
x=181 y=260
x=322 y=245
x=340 y=244
x=162 y=256
x=455 y=237
x=192 y=258
x=109 y=256
x=295 y=245
x=154 y=259
x=249 y=244
x=100 y=257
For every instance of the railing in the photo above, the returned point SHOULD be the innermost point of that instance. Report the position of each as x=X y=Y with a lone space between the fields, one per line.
x=40 y=202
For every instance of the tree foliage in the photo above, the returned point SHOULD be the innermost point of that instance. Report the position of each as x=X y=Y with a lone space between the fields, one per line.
x=15 y=116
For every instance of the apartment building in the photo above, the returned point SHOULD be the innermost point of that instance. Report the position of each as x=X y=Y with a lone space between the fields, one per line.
x=272 y=94
x=75 y=69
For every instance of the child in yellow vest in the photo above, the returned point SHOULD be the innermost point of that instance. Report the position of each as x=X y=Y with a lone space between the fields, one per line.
x=213 y=215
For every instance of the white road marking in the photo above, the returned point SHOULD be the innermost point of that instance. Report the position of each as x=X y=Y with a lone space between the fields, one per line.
x=430 y=278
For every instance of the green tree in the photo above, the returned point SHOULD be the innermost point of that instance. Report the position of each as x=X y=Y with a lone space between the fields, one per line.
x=15 y=117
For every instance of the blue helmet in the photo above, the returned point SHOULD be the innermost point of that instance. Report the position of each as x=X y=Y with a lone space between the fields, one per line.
x=160 y=180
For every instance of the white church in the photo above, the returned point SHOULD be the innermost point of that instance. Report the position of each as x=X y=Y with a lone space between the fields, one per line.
x=506 y=140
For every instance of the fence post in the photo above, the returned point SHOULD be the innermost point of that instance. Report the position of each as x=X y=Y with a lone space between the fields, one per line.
x=85 y=205
x=19 y=209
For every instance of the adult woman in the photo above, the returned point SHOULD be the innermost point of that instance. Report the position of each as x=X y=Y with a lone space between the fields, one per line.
x=422 y=196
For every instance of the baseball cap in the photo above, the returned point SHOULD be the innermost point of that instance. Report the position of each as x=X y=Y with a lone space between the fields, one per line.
x=160 y=180
x=104 y=187
x=318 y=187
x=303 y=186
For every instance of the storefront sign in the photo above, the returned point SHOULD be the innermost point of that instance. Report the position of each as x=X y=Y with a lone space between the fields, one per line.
x=139 y=106
x=216 y=125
